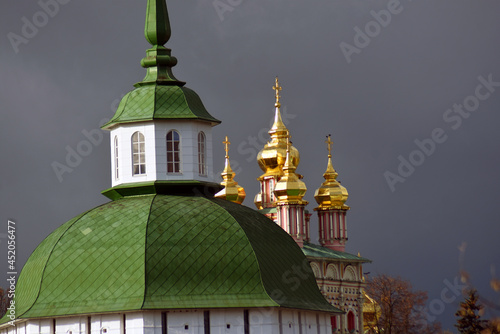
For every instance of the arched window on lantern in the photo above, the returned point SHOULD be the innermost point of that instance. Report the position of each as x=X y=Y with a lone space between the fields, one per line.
x=173 y=152
x=202 y=154
x=115 y=150
x=138 y=154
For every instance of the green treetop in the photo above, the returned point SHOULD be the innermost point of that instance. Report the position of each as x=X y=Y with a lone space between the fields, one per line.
x=469 y=321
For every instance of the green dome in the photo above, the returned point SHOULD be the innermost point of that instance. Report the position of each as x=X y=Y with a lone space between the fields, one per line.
x=166 y=252
x=155 y=102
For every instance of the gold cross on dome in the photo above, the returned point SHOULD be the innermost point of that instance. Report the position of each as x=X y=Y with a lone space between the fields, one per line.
x=329 y=142
x=277 y=89
x=226 y=145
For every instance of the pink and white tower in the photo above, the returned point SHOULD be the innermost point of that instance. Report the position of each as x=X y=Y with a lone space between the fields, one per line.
x=331 y=197
x=281 y=190
x=290 y=205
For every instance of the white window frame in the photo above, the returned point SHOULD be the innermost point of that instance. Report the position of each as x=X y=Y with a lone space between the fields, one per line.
x=117 y=170
x=202 y=154
x=174 y=166
x=138 y=153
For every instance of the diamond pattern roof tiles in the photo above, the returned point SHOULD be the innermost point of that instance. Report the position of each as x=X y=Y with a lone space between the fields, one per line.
x=166 y=252
x=151 y=102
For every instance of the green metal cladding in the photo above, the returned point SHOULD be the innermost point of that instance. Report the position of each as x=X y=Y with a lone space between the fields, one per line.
x=317 y=251
x=157 y=102
x=166 y=252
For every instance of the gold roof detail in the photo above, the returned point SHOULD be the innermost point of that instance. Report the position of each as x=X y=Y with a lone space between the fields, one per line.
x=258 y=201
x=232 y=191
x=290 y=189
x=371 y=313
x=272 y=157
x=331 y=194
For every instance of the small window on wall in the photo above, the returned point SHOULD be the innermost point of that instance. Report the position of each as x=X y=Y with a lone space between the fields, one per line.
x=173 y=152
x=202 y=165
x=117 y=174
x=138 y=154
x=350 y=322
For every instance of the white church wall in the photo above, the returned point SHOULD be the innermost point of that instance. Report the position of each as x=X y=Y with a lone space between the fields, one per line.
x=73 y=325
x=226 y=321
x=310 y=323
x=134 y=323
x=188 y=132
x=185 y=322
x=222 y=321
x=23 y=329
x=263 y=321
x=325 y=324
x=152 y=323
x=124 y=134
x=289 y=322
x=104 y=324
x=156 y=151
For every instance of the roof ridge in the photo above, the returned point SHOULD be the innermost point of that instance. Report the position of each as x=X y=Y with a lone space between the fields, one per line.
x=253 y=253
x=145 y=251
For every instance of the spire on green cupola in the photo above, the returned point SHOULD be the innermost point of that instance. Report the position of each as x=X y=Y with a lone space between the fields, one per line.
x=158 y=60
x=160 y=95
x=161 y=133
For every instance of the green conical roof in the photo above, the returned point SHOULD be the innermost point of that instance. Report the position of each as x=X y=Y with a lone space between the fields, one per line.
x=166 y=252
x=159 y=95
x=154 y=102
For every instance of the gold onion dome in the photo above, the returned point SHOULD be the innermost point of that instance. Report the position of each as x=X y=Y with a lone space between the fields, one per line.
x=232 y=191
x=331 y=194
x=290 y=189
x=272 y=157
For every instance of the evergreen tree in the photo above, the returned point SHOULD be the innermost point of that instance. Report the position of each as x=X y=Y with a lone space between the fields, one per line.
x=469 y=321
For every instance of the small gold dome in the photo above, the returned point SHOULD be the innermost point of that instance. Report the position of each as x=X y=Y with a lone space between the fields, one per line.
x=232 y=191
x=331 y=194
x=290 y=189
x=258 y=201
x=272 y=157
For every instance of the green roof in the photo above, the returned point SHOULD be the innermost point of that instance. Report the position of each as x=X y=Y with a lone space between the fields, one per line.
x=156 y=102
x=312 y=250
x=159 y=96
x=166 y=187
x=165 y=252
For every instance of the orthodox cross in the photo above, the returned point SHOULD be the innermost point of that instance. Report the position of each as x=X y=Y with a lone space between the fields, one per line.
x=226 y=144
x=277 y=88
x=329 y=142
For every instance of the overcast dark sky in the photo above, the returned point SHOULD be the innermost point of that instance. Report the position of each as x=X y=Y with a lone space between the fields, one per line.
x=394 y=88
